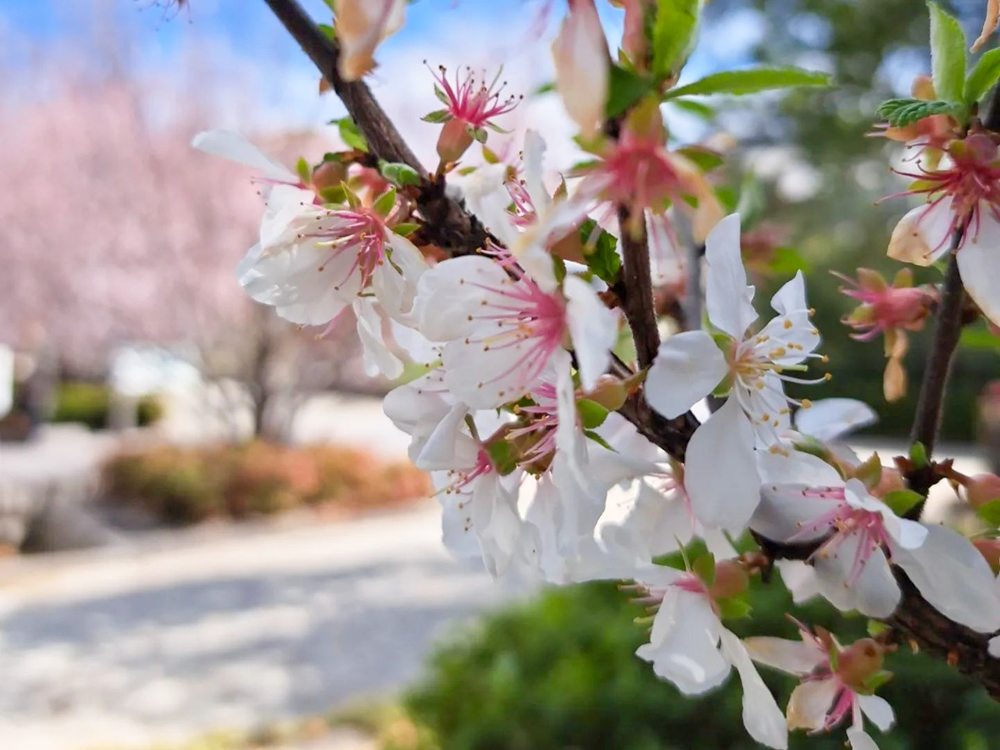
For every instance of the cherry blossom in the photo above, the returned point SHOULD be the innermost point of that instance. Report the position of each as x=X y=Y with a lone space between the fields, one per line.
x=721 y=472
x=964 y=203
x=691 y=648
x=581 y=56
x=836 y=682
x=500 y=329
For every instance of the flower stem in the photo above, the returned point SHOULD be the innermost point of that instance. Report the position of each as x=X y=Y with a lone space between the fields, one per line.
x=637 y=279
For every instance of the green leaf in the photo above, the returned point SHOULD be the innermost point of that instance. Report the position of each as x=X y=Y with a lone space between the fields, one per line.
x=698 y=109
x=328 y=31
x=624 y=89
x=502 y=455
x=918 y=454
x=302 y=170
x=350 y=134
x=600 y=252
x=599 y=440
x=983 y=76
x=333 y=194
x=442 y=97
x=437 y=116
x=545 y=88
x=902 y=112
x=979 y=337
x=705 y=158
x=592 y=414
x=704 y=567
x=399 y=174
x=740 y=82
x=734 y=609
x=674 y=33
x=947 y=54
x=752 y=202
x=990 y=512
x=877 y=680
x=385 y=202
x=902 y=501
x=405 y=229
x=876 y=628
x=479 y=134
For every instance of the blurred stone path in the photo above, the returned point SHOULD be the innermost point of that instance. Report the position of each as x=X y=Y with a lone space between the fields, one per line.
x=221 y=628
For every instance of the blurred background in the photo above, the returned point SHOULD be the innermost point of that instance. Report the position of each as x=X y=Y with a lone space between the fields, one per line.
x=210 y=538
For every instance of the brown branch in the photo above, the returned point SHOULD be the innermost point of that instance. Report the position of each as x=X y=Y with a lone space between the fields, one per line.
x=637 y=295
x=947 y=330
x=447 y=223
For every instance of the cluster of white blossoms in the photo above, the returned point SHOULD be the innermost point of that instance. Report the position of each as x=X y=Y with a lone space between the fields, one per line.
x=524 y=374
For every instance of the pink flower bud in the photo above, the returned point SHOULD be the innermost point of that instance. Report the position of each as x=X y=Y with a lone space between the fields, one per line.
x=990 y=550
x=859 y=662
x=361 y=27
x=609 y=393
x=731 y=580
x=329 y=174
x=981 y=489
x=581 y=57
x=453 y=141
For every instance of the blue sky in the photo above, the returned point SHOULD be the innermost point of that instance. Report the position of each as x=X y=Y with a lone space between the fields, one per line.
x=277 y=84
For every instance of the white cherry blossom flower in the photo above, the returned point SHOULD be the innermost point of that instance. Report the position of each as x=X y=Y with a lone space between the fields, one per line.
x=836 y=682
x=721 y=471
x=690 y=647
x=313 y=262
x=501 y=329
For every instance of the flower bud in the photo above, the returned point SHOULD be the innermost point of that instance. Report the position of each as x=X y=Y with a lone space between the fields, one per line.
x=890 y=481
x=990 y=550
x=981 y=489
x=580 y=53
x=859 y=662
x=361 y=26
x=609 y=392
x=731 y=580
x=329 y=174
x=454 y=140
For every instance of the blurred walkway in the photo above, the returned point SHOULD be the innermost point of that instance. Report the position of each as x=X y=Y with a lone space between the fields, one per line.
x=220 y=628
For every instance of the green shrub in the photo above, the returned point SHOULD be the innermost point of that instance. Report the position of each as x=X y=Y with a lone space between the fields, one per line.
x=90 y=404
x=560 y=672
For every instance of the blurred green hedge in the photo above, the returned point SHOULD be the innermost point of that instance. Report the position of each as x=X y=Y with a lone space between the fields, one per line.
x=90 y=404
x=560 y=672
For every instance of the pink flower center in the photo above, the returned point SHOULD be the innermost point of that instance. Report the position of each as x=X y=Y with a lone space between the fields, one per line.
x=540 y=432
x=846 y=522
x=360 y=232
x=520 y=315
x=888 y=308
x=473 y=102
x=972 y=181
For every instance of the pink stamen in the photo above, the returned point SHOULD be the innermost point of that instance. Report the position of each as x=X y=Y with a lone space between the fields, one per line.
x=474 y=103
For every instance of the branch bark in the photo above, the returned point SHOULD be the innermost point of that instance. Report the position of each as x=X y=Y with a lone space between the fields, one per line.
x=947 y=330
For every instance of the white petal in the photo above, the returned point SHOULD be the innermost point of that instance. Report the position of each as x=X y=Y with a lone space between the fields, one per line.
x=446 y=446
x=877 y=710
x=688 y=367
x=875 y=592
x=593 y=328
x=794 y=657
x=923 y=235
x=790 y=299
x=761 y=715
x=377 y=357
x=810 y=702
x=235 y=147
x=727 y=296
x=451 y=292
x=721 y=472
x=799 y=579
x=831 y=418
x=785 y=508
x=954 y=577
x=532 y=156
x=683 y=645
x=580 y=54
x=979 y=262
x=994 y=647
x=487 y=198
x=860 y=740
